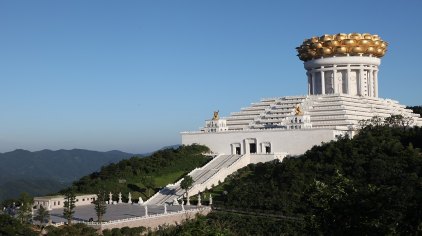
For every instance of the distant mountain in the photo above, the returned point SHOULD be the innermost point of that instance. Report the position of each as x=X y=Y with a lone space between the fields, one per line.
x=34 y=187
x=48 y=171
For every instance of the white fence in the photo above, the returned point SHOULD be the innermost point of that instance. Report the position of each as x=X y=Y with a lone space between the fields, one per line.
x=141 y=220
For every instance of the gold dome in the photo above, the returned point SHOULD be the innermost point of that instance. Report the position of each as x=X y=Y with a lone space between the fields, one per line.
x=341 y=44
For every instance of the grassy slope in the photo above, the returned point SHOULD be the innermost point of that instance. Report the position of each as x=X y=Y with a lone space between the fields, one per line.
x=144 y=176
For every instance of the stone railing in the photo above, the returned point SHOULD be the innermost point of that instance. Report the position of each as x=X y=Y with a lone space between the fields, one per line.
x=148 y=221
x=157 y=194
x=219 y=176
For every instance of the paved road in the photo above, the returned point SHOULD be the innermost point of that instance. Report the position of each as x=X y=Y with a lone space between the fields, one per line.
x=114 y=212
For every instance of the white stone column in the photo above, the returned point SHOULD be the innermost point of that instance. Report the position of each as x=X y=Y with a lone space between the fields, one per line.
x=256 y=146
x=335 y=81
x=376 y=83
x=199 y=199
x=130 y=198
x=187 y=199
x=322 y=82
x=309 y=83
x=360 y=79
x=313 y=82
x=370 y=83
x=348 y=80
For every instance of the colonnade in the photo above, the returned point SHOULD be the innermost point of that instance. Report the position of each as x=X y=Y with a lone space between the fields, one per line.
x=353 y=75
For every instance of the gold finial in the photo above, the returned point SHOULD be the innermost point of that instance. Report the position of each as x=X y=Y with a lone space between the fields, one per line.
x=215 y=116
x=298 y=110
x=342 y=44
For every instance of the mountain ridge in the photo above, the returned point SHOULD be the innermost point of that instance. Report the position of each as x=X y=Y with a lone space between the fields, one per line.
x=28 y=170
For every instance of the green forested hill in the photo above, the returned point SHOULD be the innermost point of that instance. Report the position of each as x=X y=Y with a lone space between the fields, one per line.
x=47 y=171
x=368 y=185
x=143 y=176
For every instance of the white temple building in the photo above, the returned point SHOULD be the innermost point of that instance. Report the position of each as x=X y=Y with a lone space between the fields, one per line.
x=342 y=75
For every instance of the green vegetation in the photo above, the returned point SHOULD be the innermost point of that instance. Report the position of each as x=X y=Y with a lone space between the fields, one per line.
x=229 y=224
x=11 y=226
x=186 y=184
x=100 y=205
x=368 y=185
x=84 y=230
x=42 y=216
x=24 y=211
x=44 y=172
x=144 y=176
x=71 y=230
x=69 y=205
x=416 y=109
x=125 y=231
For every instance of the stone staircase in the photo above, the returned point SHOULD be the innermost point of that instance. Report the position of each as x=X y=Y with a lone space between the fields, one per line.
x=205 y=177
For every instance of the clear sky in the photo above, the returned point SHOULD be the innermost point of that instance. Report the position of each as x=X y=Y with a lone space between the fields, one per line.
x=130 y=75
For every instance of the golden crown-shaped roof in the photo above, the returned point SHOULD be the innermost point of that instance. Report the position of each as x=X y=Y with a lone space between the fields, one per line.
x=329 y=45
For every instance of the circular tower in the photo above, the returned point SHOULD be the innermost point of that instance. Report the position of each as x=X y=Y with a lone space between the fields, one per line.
x=343 y=63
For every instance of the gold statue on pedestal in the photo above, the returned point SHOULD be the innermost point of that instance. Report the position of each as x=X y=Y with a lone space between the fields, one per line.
x=298 y=110
x=215 y=116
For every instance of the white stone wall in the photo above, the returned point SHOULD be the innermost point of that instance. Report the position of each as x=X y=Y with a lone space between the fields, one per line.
x=55 y=202
x=294 y=142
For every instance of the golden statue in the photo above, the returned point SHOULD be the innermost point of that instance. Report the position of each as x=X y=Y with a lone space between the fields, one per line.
x=215 y=116
x=298 y=111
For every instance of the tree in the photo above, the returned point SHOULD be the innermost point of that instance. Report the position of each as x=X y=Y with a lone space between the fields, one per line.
x=100 y=205
x=149 y=184
x=25 y=209
x=186 y=184
x=69 y=205
x=42 y=215
x=399 y=121
x=79 y=229
x=12 y=226
x=394 y=120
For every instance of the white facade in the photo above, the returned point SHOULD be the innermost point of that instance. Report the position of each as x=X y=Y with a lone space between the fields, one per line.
x=55 y=202
x=269 y=141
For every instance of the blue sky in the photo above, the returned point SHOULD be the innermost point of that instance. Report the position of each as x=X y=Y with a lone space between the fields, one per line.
x=130 y=75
